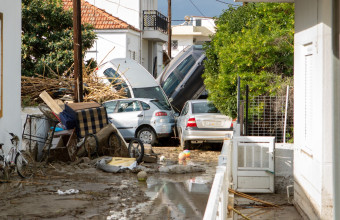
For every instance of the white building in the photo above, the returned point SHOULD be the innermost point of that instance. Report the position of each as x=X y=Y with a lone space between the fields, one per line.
x=194 y=31
x=316 y=108
x=140 y=36
x=10 y=70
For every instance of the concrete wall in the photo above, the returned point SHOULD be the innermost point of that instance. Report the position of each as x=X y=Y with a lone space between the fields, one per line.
x=312 y=68
x=10 y=120
x=284 y=157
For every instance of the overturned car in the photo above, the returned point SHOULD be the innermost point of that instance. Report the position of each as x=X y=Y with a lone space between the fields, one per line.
x=182 y=80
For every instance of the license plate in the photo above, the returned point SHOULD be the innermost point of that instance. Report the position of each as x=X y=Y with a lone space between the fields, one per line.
x=213 y=123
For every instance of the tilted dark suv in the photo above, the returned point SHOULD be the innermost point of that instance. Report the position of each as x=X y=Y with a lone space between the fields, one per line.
x=182 y=78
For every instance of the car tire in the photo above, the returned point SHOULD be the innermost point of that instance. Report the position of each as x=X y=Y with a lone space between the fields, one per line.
x=147 y=136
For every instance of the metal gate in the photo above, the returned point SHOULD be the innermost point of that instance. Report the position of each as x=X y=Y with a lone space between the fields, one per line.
x=253 y=164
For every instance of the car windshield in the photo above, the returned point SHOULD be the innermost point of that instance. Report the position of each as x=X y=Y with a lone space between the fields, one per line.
x=184 y=67
x=170 y=84
x=161 y=105
x=204 y=107
x=116 y=81
x=151 y=92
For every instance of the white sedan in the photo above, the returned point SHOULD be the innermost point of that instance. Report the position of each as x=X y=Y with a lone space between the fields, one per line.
x=200 y=121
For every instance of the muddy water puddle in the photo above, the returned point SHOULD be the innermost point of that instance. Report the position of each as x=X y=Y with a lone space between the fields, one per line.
x=178 y=196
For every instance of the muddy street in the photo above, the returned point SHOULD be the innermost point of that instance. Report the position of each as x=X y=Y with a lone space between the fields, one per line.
x=81 y=191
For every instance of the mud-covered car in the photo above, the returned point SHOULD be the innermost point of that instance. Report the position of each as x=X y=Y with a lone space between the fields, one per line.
x=200 y=121
x=146 y=119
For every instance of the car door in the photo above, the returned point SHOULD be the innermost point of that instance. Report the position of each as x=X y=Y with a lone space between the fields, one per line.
x=127 y=117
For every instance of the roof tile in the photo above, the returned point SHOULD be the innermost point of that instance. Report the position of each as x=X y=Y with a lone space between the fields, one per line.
x=99 y=18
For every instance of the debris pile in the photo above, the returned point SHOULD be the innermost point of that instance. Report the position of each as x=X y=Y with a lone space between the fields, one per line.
x=95 y=89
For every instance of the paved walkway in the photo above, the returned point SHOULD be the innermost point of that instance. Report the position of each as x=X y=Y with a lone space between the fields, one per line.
x=253 y=211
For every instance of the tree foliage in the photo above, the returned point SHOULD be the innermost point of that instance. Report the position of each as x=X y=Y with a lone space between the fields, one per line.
x=254 y=42
x=47 y=37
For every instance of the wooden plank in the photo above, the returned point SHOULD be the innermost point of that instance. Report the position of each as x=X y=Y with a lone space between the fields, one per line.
x=122 y=161
x=50 y=102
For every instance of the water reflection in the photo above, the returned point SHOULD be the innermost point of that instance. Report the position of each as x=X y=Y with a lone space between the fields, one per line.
x=180 y=197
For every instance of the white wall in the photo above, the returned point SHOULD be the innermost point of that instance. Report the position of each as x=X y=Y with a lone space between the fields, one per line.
x=313 y=154
x=11 y=120
x=127 y=10
x=108 y=45
x=183 y=42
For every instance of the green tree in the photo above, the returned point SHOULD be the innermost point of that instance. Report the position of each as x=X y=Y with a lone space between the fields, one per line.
x=47 y=37
x=254 y=42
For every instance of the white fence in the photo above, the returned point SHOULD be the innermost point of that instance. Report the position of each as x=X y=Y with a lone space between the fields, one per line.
x=217 y=206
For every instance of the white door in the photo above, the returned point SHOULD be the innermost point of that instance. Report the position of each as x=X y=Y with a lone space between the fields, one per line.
x=253 y=164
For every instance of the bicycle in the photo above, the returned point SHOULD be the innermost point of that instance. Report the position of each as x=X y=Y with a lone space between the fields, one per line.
x=22 y=161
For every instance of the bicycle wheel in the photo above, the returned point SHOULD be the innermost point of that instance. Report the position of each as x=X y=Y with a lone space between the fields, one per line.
x=136 y=149
x=25 y=164
x=91 y=145
x=114 y=145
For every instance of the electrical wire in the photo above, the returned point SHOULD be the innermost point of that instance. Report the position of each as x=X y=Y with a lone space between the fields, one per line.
x=197 y=8
x=233 y=5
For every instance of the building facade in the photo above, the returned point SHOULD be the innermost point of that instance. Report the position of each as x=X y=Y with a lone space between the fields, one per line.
x=196 y=30
x=144 y=45
x=316 y=110
x=10 y=70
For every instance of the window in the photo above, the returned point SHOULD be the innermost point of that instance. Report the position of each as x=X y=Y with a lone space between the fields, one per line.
x=117 y=82
x=204 y=107
x=185 y=109
x=128 y=106
x=145 y=106
x=161 y=105
x=154 y=92
x=110 y=106
x=174 y=44
x=184 y=67
x=198 y=22
x=170 y=84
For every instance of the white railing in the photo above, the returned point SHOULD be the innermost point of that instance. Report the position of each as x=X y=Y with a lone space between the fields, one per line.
x=217 y=205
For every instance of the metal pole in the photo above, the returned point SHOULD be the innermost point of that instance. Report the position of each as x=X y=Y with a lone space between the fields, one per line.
x=335 y=103
x=77 y=47
x=247 y=104
x=238 y=98
x=169 y=28
x=286 y=111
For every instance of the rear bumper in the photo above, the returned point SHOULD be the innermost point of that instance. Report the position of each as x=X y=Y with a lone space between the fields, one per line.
x=205 y=135
x=164 y=130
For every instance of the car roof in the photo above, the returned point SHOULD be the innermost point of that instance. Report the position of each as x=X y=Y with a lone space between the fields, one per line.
x=138 y=99
x=135 y=74
x=198 y=100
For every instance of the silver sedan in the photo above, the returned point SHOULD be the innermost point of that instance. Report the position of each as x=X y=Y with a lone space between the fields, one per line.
x=146 y=119
x=200 y=121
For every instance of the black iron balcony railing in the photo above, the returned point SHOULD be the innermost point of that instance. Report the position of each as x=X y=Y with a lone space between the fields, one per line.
x=152 y=19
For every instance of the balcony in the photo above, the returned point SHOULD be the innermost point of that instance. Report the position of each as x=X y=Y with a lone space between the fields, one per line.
x=155 y=26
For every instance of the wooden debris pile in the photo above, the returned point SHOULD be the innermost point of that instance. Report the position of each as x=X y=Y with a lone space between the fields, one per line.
x=95 y=88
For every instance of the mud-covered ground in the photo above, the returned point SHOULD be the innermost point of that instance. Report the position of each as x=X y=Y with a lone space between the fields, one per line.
x=99 y=195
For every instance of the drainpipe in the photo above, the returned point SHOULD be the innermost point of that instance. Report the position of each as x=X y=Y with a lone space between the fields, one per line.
x=336 y=108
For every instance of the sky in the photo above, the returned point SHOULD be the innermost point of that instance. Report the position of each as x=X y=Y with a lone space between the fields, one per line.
x=181 y=8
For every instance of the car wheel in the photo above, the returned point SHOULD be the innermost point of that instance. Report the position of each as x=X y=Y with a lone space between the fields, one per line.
x=147 y=136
